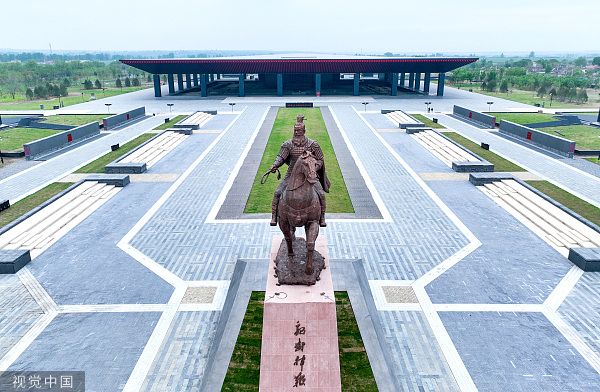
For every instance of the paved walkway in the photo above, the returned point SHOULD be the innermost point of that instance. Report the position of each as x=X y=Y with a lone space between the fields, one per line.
x=494 y=308
x=30 y=180
x=578 y=182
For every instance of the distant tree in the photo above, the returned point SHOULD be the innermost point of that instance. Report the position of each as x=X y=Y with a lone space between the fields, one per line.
x=541 y=91
x=97 y=84
x=127 y=82
x=40 y=92
x=148 y=79
x=388 y=54
x=118 y=83
x=596 y=61
x=547 y=68
x=29 y=93
x=484 y=86
x=63 y=90
x=531 y=54
x=492 y=84
x=87 y=84
x=582 y=95
x=580 y=61
x=135 y=82
x=504 y=86
x=572 y=94
x=66 y=82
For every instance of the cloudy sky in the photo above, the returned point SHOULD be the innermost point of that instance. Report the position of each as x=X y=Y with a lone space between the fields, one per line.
x=373 y=26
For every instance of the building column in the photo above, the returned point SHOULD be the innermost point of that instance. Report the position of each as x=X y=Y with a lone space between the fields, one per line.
x=402 y=79
x=411 y=80
x=417 y=81
x=188 y=81
x=394 y=84
x=171 y=83
x=356 y=84
x=427 y=82
x=203 y=86
x=440 y=86
x=318 y=85
x=195 y=79
x=179 y=82
x=279 y=84
x=157 y=92
x=242 y=87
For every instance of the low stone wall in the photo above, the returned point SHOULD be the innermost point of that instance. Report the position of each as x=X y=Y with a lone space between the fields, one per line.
x=482 y=119
x=118 y=119
x=553 y=143
x=60 y=140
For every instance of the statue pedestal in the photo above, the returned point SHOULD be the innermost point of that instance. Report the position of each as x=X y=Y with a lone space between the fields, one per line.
x=300 y=341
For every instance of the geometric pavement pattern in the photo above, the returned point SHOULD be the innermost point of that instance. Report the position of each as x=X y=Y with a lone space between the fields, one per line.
x=423 y=243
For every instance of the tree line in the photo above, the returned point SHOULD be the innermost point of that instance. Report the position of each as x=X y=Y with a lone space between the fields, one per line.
x=571 y=87
x=17 y=78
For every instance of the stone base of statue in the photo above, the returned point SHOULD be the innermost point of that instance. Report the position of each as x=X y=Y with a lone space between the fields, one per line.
x=300 y=349
x=292 y=271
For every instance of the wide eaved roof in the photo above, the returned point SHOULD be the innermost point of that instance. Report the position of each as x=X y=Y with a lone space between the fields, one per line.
x=300 y=63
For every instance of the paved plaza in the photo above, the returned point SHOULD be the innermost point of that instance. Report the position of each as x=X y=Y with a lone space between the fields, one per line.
x=137 y=294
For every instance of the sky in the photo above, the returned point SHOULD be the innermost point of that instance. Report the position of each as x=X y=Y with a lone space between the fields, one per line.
x=334 y=26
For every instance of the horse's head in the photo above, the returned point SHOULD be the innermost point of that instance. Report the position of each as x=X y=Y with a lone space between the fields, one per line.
x=305 y=169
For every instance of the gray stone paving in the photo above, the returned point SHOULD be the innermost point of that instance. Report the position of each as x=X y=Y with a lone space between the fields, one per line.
x=414 y=348
x=105 y=346
x=581 y=309
x=184 y=353
x=582 y=164
x=16 y=187
x=518 y=352
x=18 y=312
x=176 y=238
x=235 y=201
x=360 y=195
x=513 y=265
x=14 y=166
x=573 y=180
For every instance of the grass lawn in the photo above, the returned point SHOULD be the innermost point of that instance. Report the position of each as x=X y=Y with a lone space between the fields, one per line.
x=171 y=122
x=531 y=98
x=338 y=199
x=427 y=121
x=583 y=208
x=97 y=166
x=74 y=119
x=14 y=138
x=523 y=118
x=585 y=136
x=244 y=369
x=500 y=164
x=27 y=204
x=76 y=95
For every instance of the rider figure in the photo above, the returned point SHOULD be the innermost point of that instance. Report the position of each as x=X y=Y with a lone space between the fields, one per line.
x=290 y=151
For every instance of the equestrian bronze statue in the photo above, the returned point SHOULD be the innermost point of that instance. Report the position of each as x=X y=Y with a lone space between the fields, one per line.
x=300 y=197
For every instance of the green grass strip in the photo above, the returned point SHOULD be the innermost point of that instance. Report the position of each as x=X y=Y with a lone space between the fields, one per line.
x=500 y=164
x=171 y=122
x=581 y=207
x=523 y=118
x=338 y=199
x=243 y=373
x=28 y=203
x=74 y=119
x=355 y=368
x=585 y=137
x=97 y=166
x=427 y=121
x=13 y=139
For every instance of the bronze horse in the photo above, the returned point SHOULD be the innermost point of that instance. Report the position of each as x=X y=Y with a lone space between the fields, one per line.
x=300 y=206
